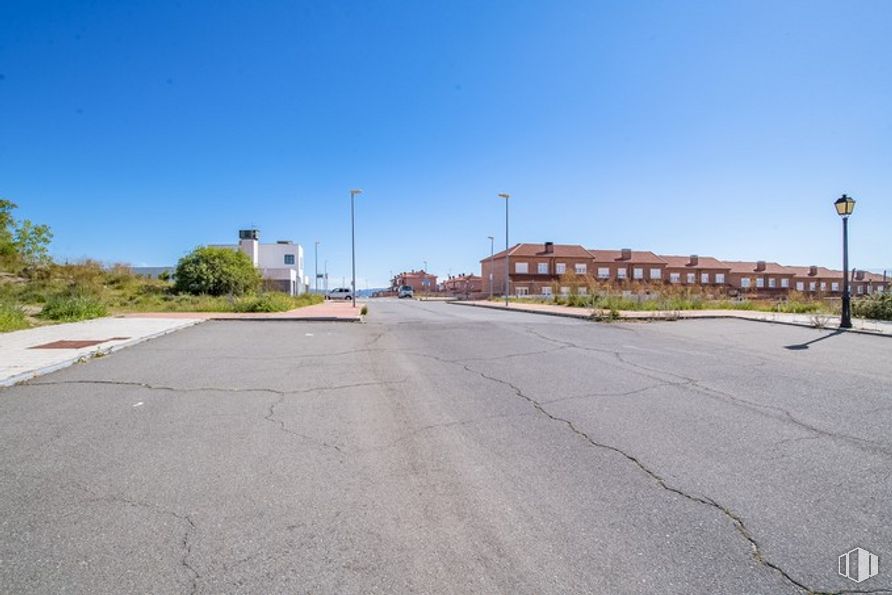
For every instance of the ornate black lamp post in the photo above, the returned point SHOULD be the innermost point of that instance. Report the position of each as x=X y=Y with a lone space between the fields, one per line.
x=845 y=205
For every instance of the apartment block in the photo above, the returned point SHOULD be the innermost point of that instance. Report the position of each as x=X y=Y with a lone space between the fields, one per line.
x=535 y=269
x=759 y=277
x=542 y=269
x=628 y=265
x=462 y=285
x=420 y=281
x=704 y=271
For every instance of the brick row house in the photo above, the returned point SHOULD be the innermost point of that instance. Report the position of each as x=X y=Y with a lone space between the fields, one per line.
x=462 y=285
x=541 y=269
x=419 y=281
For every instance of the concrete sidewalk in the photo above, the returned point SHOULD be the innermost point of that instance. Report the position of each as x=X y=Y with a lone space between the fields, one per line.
x=32 y=352
x=876 y=327
x=328 y=311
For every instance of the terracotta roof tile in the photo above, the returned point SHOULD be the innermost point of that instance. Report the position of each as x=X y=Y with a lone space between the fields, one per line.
x=703 y=262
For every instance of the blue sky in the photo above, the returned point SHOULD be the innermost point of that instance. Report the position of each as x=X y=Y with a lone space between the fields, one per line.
x=139 y=130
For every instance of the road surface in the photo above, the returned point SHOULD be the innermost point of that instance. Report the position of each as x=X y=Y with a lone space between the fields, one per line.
x=439 y=448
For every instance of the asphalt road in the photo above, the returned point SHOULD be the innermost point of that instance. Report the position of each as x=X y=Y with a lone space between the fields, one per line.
x=440 y=448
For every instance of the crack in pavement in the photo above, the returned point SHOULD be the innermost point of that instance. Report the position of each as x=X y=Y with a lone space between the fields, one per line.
x=185 y=541
x=270 y=417
x=615 y=394
x=429 y=427
x=735 y=519
x=696 y=385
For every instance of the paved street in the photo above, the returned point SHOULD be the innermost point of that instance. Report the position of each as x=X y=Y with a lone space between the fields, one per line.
x=438 y=448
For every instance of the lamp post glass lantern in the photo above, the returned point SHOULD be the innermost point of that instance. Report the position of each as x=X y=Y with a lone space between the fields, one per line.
x=845 y=206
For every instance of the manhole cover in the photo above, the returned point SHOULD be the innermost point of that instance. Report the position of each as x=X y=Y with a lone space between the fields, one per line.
x=76 y=344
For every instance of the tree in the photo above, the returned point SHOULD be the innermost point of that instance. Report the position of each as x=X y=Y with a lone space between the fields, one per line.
x=23 y=245
x=216 y=271
x=32 y=243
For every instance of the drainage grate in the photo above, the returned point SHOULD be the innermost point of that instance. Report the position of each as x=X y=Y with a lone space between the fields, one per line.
x=78 y=344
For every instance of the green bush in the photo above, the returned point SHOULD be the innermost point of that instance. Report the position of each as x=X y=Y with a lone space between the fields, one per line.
x=12 y=317
x=875 y=307
x=70 y=308
x=265 y=302
x=216 y=271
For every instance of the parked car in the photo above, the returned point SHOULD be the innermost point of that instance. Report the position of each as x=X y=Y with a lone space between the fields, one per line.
x=405 y=292
x=340 y=293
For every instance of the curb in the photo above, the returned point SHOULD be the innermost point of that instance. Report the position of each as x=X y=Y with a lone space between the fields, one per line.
x=284 y=319
x=664 y=319
x=99 y=351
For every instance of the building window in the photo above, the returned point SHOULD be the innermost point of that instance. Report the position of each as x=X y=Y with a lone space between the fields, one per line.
x=522 y=290
x=760 y=282
x=565 y=291
x=289 y=259
x=823 y=286
x=800 y=286
x=674 y=277
x=542 y=267
x=546 y=290
x=691 y=278
x=704 y=278
x=620 y=273
x=603 y=273
x=720 y=278
x=560 y=268
x=745 y=282
x=521 y=268
x=581 y=269
x=637 y=273
x=582 y=290
x=656 y=274
x=785 y=283
x=772 y=282
x=835 y=287
x=860 y=288
x=812 y=285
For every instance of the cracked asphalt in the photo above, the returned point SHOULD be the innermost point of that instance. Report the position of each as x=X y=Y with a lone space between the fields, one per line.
x=439 y=448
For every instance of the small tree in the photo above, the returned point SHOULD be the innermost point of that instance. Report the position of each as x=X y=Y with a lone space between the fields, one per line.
x=216 y=271
x=23 y=245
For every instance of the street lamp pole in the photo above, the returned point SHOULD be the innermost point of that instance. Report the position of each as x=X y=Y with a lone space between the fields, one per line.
x=492 y=243
x=506 y=196
x=845 y=205
x=316 y=271
x=353 y=194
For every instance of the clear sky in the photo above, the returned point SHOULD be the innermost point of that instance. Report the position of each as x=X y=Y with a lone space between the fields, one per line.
x=139 y=130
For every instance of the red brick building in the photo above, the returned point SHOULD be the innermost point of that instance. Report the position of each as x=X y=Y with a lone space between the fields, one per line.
x=543 y=269
x=419 y=281
x=462 y=285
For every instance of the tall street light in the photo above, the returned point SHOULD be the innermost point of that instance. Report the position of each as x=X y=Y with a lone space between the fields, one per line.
x=316 y=271
x=492 y=243
x=353 y=194
x=506 y=196
x=845 y=205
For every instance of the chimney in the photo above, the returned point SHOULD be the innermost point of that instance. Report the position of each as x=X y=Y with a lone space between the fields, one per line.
x=626 y=254
x=812 y=271
x=859 y=275
x=695 y=260
x=760 y=266
x=549 y=247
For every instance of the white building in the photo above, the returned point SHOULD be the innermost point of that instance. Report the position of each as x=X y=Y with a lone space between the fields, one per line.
x=281 y=264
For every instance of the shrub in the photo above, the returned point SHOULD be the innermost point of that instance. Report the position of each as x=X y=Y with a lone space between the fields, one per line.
x=70 y=308
x=265 y=302
x=875 y=307
x=216 y=271
x=12 y=317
